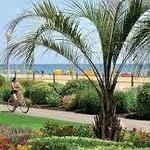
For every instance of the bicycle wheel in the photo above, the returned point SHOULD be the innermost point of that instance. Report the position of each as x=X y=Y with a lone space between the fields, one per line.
x=10 y=105
x=24 y=106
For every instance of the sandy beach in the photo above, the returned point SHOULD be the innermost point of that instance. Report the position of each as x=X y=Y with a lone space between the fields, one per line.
x=122 y=84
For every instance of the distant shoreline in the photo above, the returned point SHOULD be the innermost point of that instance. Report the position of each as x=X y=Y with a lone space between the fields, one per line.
x=49 y=68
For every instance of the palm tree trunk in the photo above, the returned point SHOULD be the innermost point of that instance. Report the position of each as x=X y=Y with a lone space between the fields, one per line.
x=107 y=125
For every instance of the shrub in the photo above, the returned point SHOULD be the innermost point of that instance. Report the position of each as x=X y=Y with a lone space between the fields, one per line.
x=132 y=104
x=143 y=97
x=88 y=101
x=27 y=92
x=59 y=130
x=57 y=87
x=14 y=134
x=42 y=93
x=16 y=138
x=126 y=101
x=120 y=98
x=68 y=102
x=53 y=99
x=39 y=92
x=27 y=84
x=5 y=143
x=74 y=86
x=2 y=80
x=85 y=101
x=78 y=143
x=84 y=131
x=5 y=93
x=138 y=138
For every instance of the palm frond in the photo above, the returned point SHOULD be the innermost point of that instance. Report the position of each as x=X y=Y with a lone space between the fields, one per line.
x=114 y=22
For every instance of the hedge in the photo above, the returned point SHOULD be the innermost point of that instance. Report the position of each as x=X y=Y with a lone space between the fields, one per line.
x=57 y=87
x=5 y=93
x=88 y=101
x=73 y=86
x=42 y=93
x=59 y=130
x=125 y=101
x=143 y=98
x=78 y=143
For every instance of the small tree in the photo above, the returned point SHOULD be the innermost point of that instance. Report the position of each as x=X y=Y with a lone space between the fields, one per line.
x=117 y=28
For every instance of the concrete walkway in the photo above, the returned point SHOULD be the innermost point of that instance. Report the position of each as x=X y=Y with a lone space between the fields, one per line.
x=71 y=116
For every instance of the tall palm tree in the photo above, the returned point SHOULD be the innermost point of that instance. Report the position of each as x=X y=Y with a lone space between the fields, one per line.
x=120 y=29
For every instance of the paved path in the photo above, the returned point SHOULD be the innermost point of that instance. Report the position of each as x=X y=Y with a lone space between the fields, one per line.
x=71 y=116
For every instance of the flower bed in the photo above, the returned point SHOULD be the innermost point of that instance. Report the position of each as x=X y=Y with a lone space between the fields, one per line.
x=16 y=138
x=138 y=138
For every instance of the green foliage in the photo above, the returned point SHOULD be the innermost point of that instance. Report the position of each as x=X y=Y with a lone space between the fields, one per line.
x=84 y=131
x=132 y=104
x=53 y=99
x=39 y=92
x=125 y=101
x=27 y=92
x=2 y=80
x=85 y=101
x=74 y=86
x=68 y=102
x=16 y=134
x=57 y=87
x=88 y=101
x=57 y=130
x=143 y=97
x=5 y=93
x=27 y=84
x=79 y=143
x=138 y=138
x=60 y=130
x=120 y=98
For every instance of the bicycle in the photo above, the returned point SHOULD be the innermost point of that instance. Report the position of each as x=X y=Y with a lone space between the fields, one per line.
x=21 y=102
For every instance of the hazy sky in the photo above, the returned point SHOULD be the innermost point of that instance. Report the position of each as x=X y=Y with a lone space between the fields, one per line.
x=8 y=10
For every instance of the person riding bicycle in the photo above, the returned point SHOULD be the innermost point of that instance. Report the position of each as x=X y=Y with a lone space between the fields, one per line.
x=15 y=88
x=17 y=98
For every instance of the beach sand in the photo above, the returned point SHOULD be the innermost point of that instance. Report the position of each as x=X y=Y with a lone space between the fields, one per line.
x=122 y=84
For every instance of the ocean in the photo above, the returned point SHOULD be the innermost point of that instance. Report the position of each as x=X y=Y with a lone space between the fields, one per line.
x=49 y=68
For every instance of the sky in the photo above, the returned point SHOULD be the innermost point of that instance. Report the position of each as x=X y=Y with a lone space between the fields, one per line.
x=9 y=9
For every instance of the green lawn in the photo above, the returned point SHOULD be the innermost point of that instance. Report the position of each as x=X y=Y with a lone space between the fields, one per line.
x=20 y=120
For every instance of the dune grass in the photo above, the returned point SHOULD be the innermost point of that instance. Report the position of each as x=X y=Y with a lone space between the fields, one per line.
x=21 y=120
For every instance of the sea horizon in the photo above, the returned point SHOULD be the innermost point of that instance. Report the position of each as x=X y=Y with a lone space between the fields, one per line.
x=49 y=68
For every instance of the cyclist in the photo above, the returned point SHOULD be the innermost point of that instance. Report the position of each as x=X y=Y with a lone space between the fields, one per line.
x=15 y=90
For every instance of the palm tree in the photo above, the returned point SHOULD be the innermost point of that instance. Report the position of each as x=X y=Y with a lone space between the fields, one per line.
x=120 y=29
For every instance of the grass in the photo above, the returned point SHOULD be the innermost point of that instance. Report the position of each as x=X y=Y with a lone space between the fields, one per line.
x=20 y=120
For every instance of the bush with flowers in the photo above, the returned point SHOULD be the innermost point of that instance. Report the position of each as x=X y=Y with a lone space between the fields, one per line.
x=12 y=138
x=24 y=139
x=5 y=143
x=138 y=138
